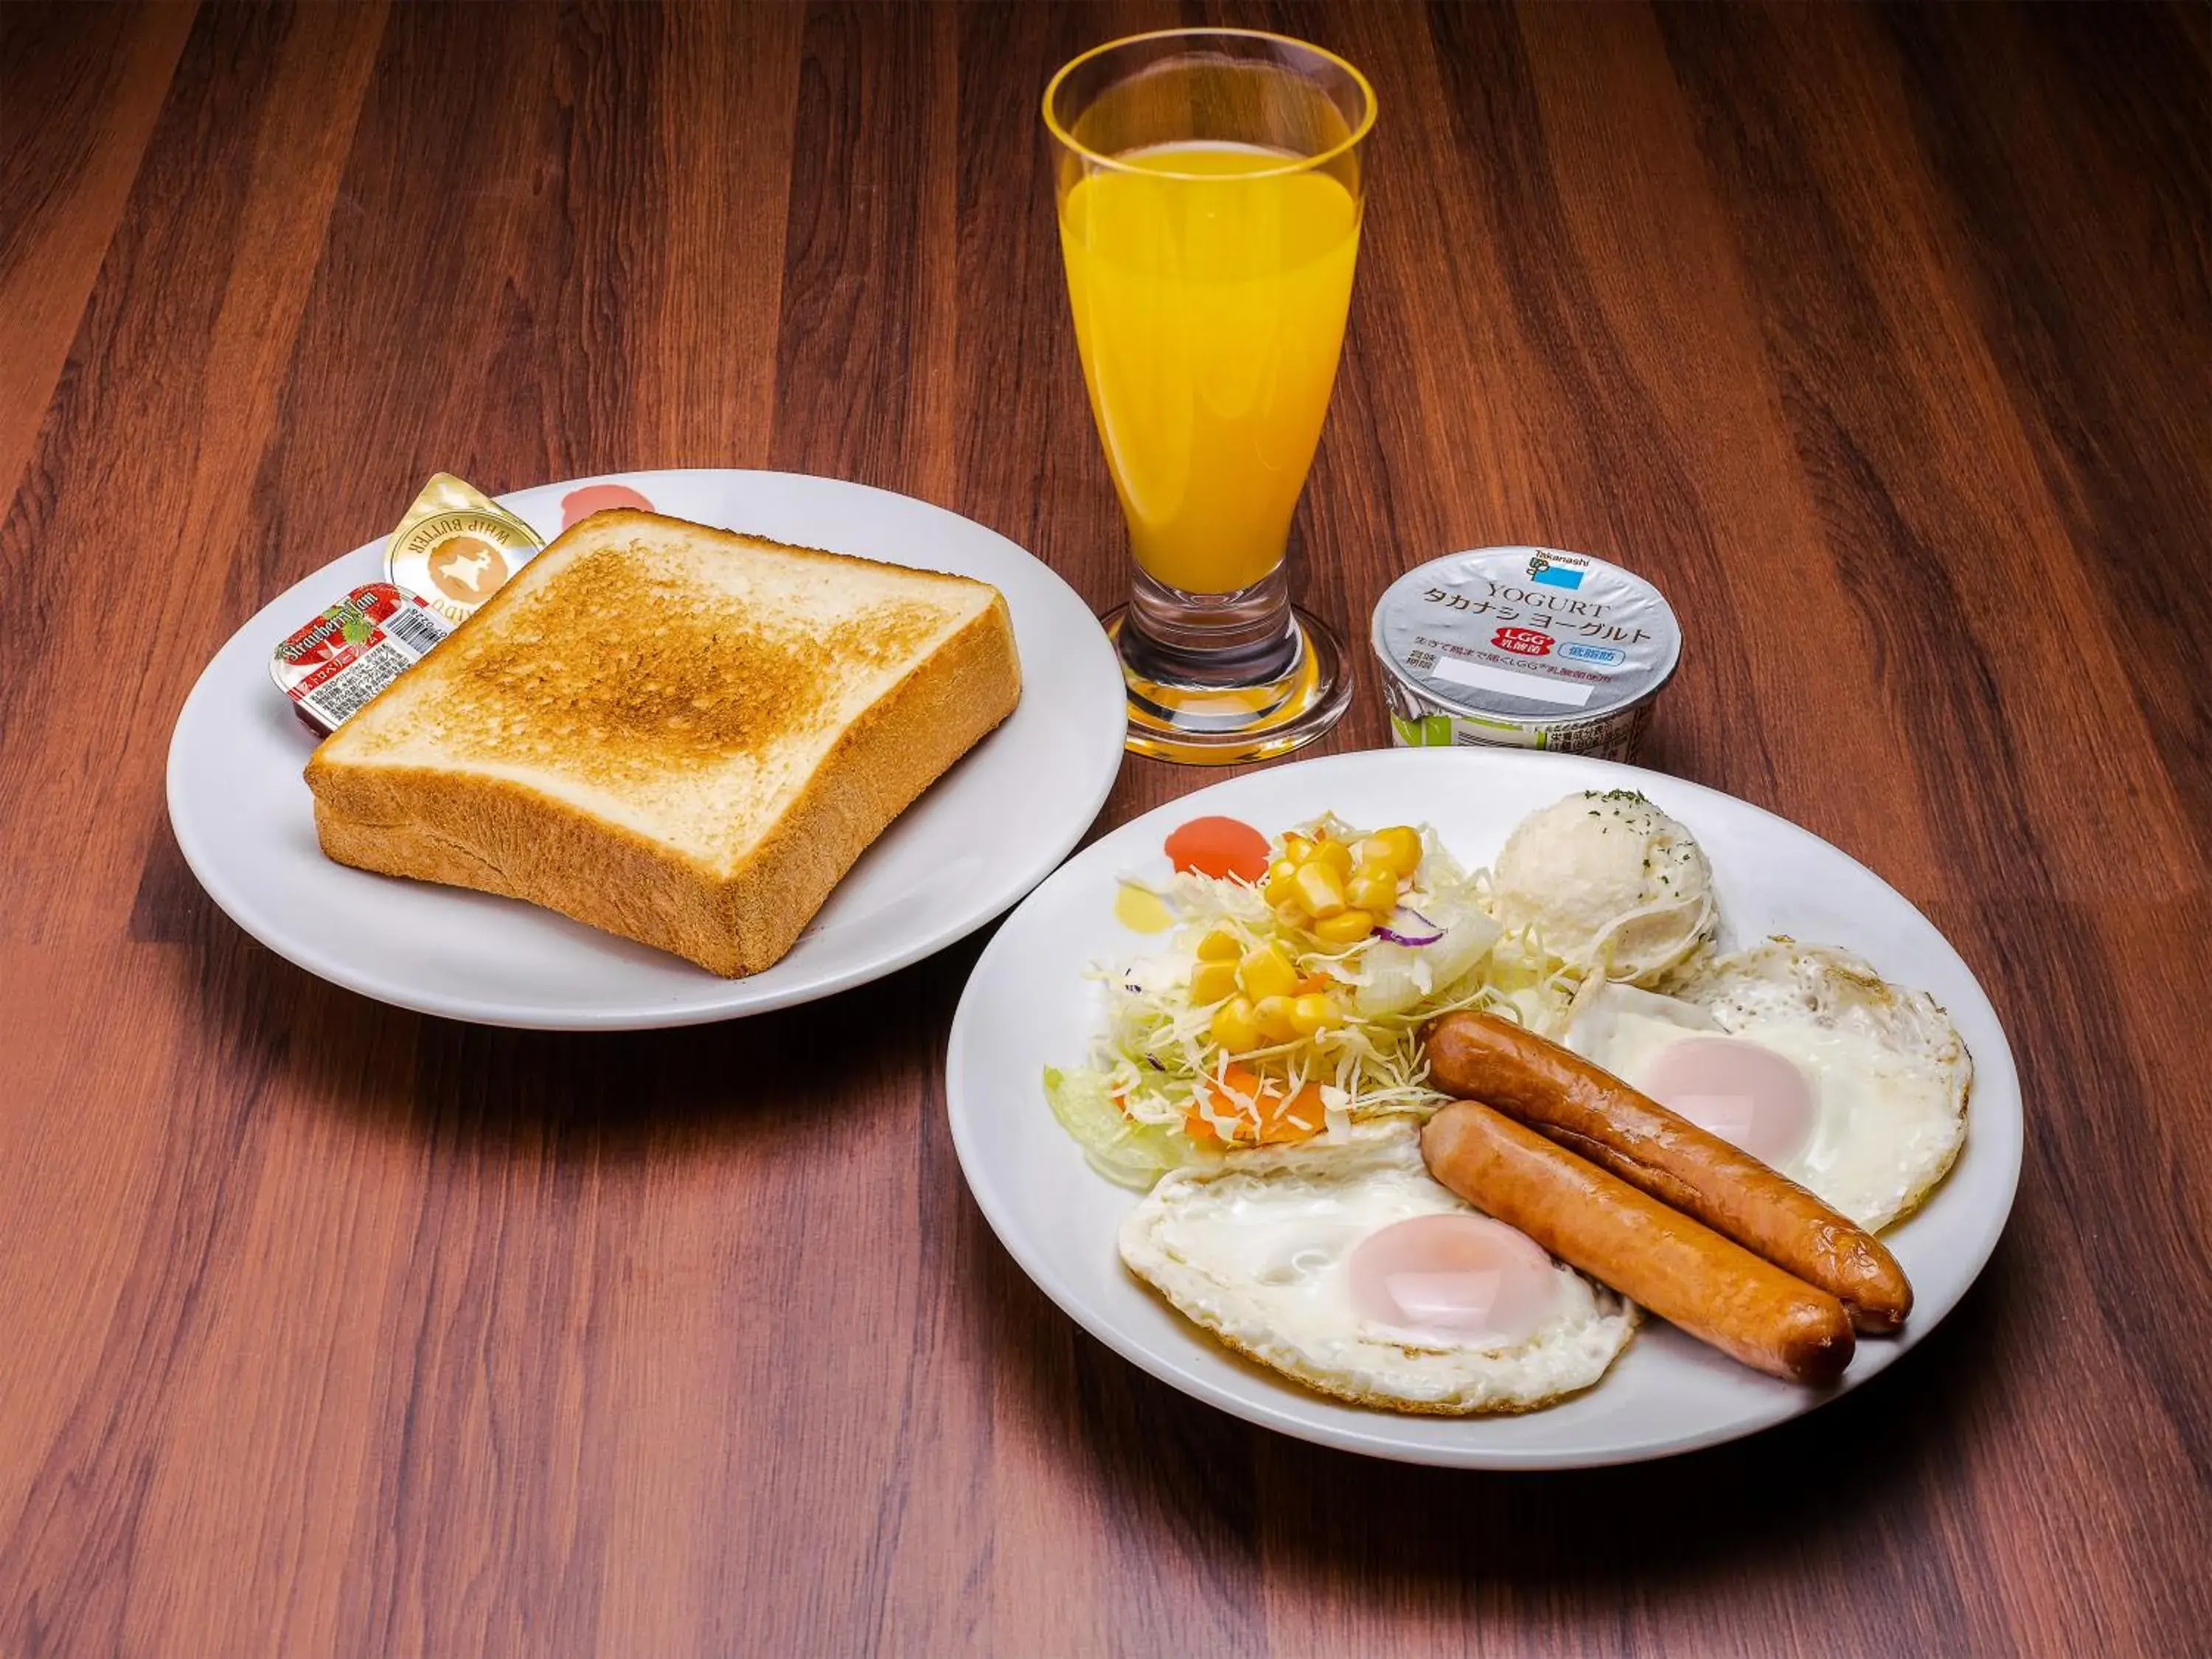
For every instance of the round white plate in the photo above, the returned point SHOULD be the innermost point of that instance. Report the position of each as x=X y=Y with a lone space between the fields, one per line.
x=980 y=837
x=1027 y=1006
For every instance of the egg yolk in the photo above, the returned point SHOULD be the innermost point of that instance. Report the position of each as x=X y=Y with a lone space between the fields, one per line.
x=1742 y=1091
x=1220 y=848
x=1456 y=1278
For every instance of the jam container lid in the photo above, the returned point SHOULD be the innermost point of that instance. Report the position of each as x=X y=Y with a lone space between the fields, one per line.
x=1527 y=637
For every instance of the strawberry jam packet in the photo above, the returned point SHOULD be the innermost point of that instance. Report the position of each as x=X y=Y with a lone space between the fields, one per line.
x=331 y=667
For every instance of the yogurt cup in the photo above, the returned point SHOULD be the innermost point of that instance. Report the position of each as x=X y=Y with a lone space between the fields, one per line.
x=1524 y=648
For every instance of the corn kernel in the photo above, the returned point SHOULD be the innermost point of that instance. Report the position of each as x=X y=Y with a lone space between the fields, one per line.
x=1282 y=883
x=1345 y=928
x=1403 y=849
x=1221 y=946
x=1212 y=981
x=1296 y=848
x=1293 y=916
x=1276 y=1024
x=1312 y=1015
x=1267 y=972
x=1320 y=890
x=1372 y=887
x=1334 y=854
x=1235 y=1026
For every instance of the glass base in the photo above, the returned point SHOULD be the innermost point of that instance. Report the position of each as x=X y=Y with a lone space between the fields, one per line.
x=1177 y=719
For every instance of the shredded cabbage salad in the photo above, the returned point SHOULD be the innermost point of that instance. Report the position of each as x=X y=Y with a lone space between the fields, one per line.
x=1161 y=1088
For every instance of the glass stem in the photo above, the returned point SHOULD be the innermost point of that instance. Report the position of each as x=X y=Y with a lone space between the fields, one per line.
x=1211 y=641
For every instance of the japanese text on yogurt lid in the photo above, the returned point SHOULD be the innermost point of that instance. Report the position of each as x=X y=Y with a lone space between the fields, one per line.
x=1527 y=644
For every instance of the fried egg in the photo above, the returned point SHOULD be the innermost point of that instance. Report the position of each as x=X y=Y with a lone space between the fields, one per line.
x=1343 y=1264
x=1806 y=1058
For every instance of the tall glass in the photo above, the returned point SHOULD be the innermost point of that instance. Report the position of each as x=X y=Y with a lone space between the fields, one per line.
x=1210 y=187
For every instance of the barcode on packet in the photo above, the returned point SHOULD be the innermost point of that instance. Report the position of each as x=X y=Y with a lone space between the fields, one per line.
x=346 y=696
x=412 y=625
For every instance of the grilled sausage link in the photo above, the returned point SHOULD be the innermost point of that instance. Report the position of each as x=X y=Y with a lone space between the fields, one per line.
x=1689 y=1275
x=1592 y=1112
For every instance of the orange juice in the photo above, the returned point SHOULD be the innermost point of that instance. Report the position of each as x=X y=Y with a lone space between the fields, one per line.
x=1209 y=311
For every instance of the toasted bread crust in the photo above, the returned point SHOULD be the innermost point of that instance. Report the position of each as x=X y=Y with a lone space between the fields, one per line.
x=467 y=828
x=900 y=745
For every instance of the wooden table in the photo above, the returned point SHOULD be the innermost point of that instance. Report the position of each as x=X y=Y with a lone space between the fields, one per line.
x=1880 y=339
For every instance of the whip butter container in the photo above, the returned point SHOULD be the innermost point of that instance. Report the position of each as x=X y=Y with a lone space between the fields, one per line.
x=457 y=547
x=1527 y=647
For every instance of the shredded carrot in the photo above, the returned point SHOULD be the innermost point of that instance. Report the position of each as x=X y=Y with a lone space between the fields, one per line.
x=1256 y=1110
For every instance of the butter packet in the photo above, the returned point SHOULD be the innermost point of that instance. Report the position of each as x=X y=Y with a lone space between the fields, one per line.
x=457 y=547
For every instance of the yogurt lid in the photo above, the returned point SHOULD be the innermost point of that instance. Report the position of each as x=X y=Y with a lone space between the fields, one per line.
x=1527 y=633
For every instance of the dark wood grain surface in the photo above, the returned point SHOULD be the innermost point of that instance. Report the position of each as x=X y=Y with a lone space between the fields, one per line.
x=1882 y=339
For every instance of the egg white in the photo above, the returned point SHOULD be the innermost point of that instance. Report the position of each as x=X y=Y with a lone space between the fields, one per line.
x=1889 y=1073
x=1256 y=1248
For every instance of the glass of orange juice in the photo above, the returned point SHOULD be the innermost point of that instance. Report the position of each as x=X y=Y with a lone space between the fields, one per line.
x=1210 y=186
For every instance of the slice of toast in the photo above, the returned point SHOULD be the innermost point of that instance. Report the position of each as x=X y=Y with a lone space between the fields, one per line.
x=681 y=735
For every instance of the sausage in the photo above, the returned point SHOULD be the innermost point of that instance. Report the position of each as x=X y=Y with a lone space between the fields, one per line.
x=1687 y=1274
x=1592 y=1112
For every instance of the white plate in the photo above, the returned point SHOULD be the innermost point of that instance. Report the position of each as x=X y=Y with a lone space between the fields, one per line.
x=1027 y=1006
x=982 y=835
